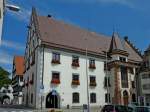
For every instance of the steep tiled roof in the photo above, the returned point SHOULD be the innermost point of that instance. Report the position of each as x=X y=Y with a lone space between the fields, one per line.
x=57 y=32
x=62 y=35
x=19 y=65
x=116 y=43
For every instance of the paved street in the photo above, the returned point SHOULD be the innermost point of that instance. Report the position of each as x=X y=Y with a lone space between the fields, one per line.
x=14 y=108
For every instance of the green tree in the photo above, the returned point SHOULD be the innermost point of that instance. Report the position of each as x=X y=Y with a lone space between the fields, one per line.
x=4 y=79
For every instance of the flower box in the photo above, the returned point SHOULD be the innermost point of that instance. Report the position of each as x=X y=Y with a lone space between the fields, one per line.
x=55 y=62
x=75 y=82
x=55 y=81
x=93 y=84
x=92 y=66
x=74 y=64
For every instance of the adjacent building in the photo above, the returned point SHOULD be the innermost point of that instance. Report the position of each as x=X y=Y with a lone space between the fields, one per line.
x=66 y=66
x=123 y=65
x=17 y=78
x=144 y=80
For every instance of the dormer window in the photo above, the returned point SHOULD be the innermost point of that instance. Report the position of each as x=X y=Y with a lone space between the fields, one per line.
x=122 y=59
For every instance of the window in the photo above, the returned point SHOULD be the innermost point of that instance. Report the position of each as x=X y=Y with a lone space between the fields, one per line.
x=75 y=61
x=75 y=97
x=55 y=78
x=122 y=59
x=133 y=84
x=28 y=64
x=32 y=79
x=146 y=86
x=131 y=70
x=107 y=98
x=56 y=58
x=75 y=79
x=23 y=98
x=92 y=81
x=32 y=98
x=93 y=97
x=92 y=64
x=124 y=77
x=145 y=76
x=33 y=58
x=107 y=82
x=21 y=78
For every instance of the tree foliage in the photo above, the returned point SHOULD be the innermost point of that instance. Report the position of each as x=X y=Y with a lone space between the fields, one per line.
x=4 y=77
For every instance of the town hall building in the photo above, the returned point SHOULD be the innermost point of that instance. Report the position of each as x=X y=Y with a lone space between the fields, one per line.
x=67 y=66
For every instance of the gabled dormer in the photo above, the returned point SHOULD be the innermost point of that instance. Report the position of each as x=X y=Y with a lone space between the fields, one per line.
x=117 y=50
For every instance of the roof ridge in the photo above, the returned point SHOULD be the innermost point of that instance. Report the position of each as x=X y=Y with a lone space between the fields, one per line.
x=135 y=49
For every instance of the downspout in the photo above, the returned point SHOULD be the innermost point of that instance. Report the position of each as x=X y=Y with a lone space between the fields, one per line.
x=36 y=60
x=43 y=66
x=42 y=86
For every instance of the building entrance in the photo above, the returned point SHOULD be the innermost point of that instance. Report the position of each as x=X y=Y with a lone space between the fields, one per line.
x=52 y=100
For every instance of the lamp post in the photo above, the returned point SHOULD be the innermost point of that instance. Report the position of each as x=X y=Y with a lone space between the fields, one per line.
x=11 y=7
x=106 y=58
x=3 y=7
x=87 y=81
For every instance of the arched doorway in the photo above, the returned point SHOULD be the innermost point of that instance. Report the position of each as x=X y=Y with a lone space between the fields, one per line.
x=133 y=97
x=125 y=97
x=52 y=100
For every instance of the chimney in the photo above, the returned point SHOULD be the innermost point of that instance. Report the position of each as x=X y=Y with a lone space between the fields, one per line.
x=49 y=16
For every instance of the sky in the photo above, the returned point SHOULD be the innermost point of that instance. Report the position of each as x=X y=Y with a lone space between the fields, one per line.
x=127 y=17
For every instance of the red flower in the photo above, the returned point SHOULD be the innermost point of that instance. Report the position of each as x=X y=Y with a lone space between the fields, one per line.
x=55 y=81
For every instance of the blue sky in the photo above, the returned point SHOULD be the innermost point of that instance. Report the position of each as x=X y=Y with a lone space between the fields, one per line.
x=128 y=17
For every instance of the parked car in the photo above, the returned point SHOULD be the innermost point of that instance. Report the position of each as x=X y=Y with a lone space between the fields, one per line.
x=6 y=95
x=116 y=108
x=142 y=109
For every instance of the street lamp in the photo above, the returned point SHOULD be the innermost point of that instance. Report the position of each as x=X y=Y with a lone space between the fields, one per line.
x=3 y=7
x=12 y=7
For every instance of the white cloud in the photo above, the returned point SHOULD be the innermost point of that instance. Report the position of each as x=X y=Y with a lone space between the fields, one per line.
x=128 y=3
x=5 y=58
x=22 y=15
x=12 y=45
